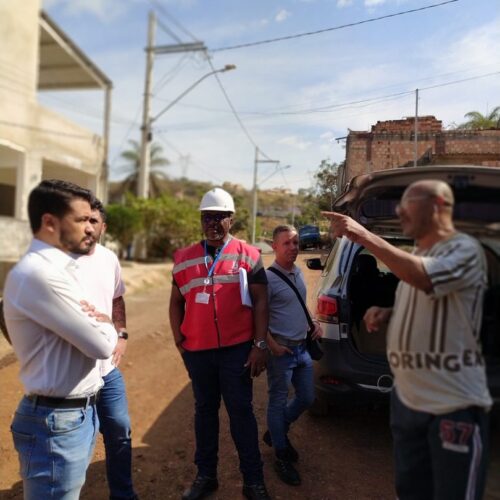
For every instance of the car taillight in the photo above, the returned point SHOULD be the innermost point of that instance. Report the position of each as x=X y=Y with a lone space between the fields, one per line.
x=326 y=309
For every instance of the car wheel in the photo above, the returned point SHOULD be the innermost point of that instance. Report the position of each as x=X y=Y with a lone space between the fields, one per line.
x=320 y=407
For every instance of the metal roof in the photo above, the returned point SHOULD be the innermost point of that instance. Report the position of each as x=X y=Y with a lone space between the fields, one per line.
x=62 y=64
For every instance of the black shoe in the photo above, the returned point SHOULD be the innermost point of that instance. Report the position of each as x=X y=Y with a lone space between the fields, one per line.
x=287 y=472
x=256 y=491
x=201 y=488
x=292 y=453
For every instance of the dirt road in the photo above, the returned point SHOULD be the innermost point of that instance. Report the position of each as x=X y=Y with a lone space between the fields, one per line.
x=344 y=456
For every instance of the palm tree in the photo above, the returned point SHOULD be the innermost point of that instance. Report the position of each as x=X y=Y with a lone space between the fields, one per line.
x=156 y=172
x=478 y=121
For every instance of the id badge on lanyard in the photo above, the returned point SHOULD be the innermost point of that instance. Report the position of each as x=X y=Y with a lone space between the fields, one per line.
x=204 y=297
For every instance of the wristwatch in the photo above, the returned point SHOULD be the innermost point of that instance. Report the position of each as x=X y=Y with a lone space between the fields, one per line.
x=122 y=334
x=260 y=344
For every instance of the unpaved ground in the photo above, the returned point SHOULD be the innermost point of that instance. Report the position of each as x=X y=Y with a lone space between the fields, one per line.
x=344 y=456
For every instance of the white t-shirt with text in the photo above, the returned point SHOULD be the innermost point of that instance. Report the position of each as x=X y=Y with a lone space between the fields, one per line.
x=433 y=343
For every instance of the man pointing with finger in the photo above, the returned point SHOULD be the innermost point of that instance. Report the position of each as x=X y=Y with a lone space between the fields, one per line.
x=439 y=408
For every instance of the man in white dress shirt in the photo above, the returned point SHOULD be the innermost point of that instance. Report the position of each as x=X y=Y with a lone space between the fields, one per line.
x=57 y=344
x=99 y=272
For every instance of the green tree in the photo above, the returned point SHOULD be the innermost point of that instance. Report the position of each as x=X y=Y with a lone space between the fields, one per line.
x=168 y=223
x=123 y=223
x=157 y=162
x=241 y=226
x=478 y=121
x=326 y=188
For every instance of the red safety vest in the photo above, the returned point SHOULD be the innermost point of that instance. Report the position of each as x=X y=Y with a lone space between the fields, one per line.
x=223 y=321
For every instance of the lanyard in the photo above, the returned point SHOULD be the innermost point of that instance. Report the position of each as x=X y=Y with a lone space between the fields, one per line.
x=212 y=267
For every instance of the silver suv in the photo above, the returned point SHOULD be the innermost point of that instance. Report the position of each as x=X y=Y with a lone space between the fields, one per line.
x=352 y=279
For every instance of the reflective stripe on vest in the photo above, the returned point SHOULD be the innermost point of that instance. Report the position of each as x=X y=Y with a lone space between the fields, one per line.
x=224 y=320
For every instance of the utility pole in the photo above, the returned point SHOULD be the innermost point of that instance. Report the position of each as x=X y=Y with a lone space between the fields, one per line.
x=254 y=190
x=254 y=194
x=415 y=156
x=143 y=178
x=146 y=135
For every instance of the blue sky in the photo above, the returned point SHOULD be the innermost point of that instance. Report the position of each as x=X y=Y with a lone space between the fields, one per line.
x=294 y=97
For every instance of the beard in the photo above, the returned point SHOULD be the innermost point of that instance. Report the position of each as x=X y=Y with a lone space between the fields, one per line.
x=81 y=246
x=215 y=233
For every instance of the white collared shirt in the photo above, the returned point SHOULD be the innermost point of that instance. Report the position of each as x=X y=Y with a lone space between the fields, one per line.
x=56 y=343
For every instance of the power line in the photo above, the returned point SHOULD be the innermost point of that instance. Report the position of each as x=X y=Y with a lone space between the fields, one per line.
x=171 y=18
x=89 y=112
x=334 y=28
x=235 y=113
x=168 y=31
x=335 y=106
x=170 y=74
x=48 y=131
x=209 y=172
x=460 y=81
x=126 y=136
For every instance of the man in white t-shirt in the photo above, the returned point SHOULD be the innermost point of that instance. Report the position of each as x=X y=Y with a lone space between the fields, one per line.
x=99 y=272
x=439 y=408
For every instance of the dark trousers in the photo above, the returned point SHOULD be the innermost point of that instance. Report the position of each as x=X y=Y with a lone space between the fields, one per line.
x=215 y=373
x=439 y=457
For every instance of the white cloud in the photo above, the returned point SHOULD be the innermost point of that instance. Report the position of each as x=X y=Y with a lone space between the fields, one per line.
x=295 y=142
x=344 y=67
x=478 y=47
x=282 y=15
x=374 y=3
x=104 y=10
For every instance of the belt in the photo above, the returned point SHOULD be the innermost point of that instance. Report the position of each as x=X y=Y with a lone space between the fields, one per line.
x=63 y=402
x=286 y=341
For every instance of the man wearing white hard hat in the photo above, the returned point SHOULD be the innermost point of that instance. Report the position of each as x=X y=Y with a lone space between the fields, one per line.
x=221 y=340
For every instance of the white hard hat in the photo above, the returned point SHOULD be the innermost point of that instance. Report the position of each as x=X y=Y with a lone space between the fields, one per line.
x=217 y=200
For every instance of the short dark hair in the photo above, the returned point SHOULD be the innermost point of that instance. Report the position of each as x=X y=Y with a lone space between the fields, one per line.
x=53 y=196
x=96 y=204
x=283 y=228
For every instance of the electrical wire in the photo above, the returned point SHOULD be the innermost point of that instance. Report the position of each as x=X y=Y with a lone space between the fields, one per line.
x=235 y=113
x=209 y=172
x=459 y=81
x=171 y=18
x=126 y=136
x=335 y=106
x=48 y=131
x=167 y=30
x=334 y=28
x=170 y=74
x=89 y=112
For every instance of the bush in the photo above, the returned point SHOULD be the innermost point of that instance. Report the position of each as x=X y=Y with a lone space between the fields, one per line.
x=168 y=224
x=123 y=223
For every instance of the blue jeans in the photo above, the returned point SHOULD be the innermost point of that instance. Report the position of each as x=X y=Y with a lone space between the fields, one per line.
x=112 y=409
x=54 y=447
x=215 y=373
x=294 y=369
x=439 y=457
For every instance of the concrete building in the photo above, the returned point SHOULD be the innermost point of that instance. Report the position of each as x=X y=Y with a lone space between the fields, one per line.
x=36 y=143
x=391 y=144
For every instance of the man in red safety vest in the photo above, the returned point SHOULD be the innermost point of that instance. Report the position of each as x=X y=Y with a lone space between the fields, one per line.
x=219 y=318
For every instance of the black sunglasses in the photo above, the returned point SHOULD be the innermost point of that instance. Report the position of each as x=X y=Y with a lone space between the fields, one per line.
x=206 y=218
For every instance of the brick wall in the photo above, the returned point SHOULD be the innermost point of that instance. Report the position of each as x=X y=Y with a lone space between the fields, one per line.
x=390 y=144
